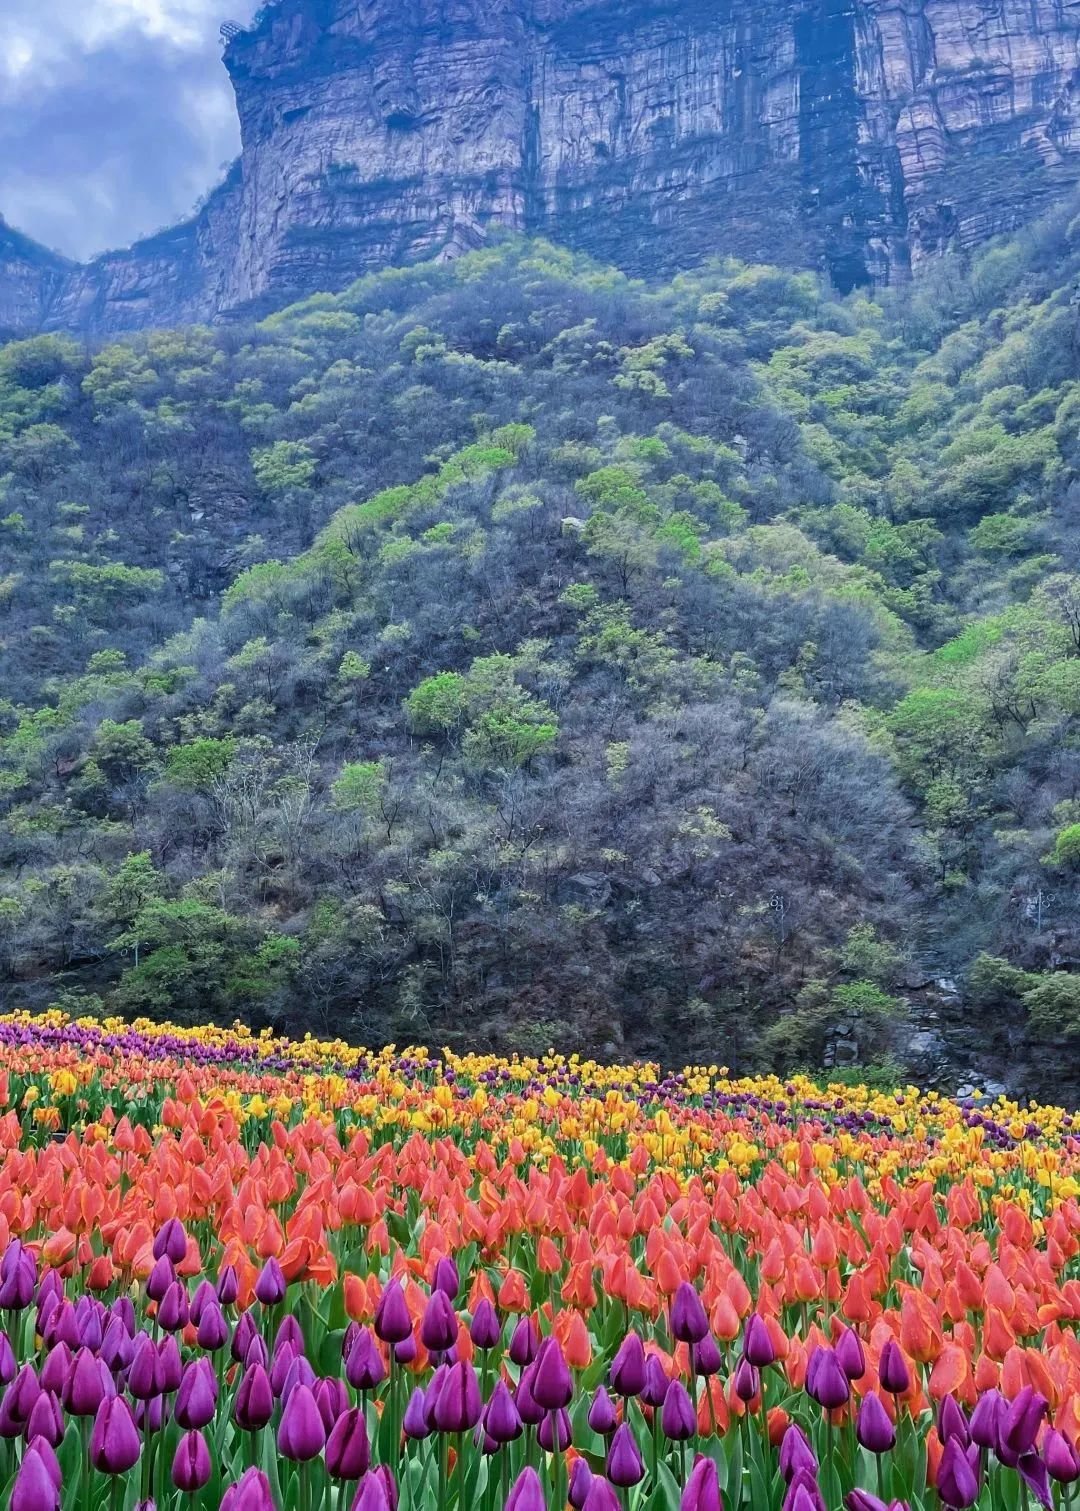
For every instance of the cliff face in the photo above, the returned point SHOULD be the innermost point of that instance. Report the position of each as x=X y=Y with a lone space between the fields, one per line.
x=862 y=136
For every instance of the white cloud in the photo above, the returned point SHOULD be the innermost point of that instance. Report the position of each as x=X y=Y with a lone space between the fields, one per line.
x=115 y=115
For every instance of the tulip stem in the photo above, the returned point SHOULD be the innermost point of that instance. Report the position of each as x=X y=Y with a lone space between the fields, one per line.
x=461 y=1470
x=305 y=1486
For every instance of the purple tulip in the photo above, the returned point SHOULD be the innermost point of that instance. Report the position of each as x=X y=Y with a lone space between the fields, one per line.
x=191 y=1467
x=284 y=1360
x=446 y=1278
x=862 y=1500
x=169 y=1369
x=826 y=1382
x=371 y=1494
x=271 y=1285
x=393 y=1323
x=757 y=1342
x=502 y=1422
x=545 y=1432
x=204 y=1296
x=624 y=1465
x=150 y=1415
x=803 y=1493
x=228 y=1285
x=57 y=1368
x=196 y=1400
x=552 y=1387
x=601 y=1497
x=655 y=1389
x=873 y=1426
x=34 y=1489
x=893 y=1373
x=332 y=1399
x=17 y=1286
x=526 y=1493
x=364 y=1368
x=289 y=1333
x=524 y=1342
x=952 y=1423
x=689 y=1324
x=46 y=1420
x=47 y=1454
x=18 y=1402
x=117 y=1349
x=250 y=1493
x=254 y=1404
x=581 y=1477
x=530 y=1412
x=796 y=1454
x=246 y=1330
x=347 y=1451
x=439 y=1324
x=171 y=1240
x=987 y=1419
x=212 y=1330
x=957 y=1477
x=702 y=1491
x=300 y=1373
x=114 y=1443
x=678 y=1419
x=1062 y=1459
x=485 y=1330
x=1022 y=1421
x=301 y=1433
x=747 y=1381
x=124 y=1308
x=849 y=1354
x=160 y=1278
x=415 y=1422
x=432 y=1394
x=706 y=1357
x=602 y=1418
x=83 y=1391
x=628 y=1367
x=459 y=1406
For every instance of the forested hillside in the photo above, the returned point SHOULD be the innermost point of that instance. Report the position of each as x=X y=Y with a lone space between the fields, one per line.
x=504 y=649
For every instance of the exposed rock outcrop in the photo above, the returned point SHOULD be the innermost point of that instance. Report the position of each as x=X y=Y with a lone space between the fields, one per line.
x=861 y=136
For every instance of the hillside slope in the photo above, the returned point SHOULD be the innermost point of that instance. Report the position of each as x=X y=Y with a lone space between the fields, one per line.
x=507 y=649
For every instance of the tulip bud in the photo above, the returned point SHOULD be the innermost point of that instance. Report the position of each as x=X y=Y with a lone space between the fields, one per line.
x=370 y=1494
x=628 y=1367
x=393 y=1324
x=114 y=1443
x=18 y=1402
x=301 y=1434
x=254 y=1404
x=526 y=1493
x=405 y=1351
x=364 y=1368
x=600 y=1496
x=213 y=1330
x=758 y=1345
x=530 y=1412
x=169 y=1370
x=747 y=1381
x=171 y=1240
x=34 y=1489
x=826 y=1382
x=485 y=1329
x=602 y=1418
x=849 y=1354
x=678 y=1419
x=1062 y=1459
x=707 y=1358
x=689 y=1324
x=250 y=1493
x=893 y=1372
x=56 y=1369
x=347 y=1451
x=173 y=1312
x=796 y=1454
x=458 y=1406
x=624 y=1463
x=581 y=1477
x=502 y=1422
x=446 y=1278
x=702 y=1491
x=46 y=1420
x=656 y=1384
x=552 y=1387
x=142 y=1368
x=191 y=1467
x=332 y=1399
x=873 y=1426
x=228 y=1285
x=414 y=1423
x=524 y=1342
x=957 y=1476
x=83 y=1391
x=952 y=1423
x=196 y=1399
x=546 y=1435
x=439 y=1324
x=987 y=1419
x=270 y=1286
x=246 y=1330
x=1023 y=1419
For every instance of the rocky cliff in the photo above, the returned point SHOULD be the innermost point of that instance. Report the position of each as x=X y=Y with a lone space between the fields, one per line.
x=861 y=136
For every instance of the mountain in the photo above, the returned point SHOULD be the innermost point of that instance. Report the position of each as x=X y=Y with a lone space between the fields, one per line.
x=508 y=651
x=858 y=137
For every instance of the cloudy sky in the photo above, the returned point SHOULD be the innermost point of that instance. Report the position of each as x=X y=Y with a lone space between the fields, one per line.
x=115 y=115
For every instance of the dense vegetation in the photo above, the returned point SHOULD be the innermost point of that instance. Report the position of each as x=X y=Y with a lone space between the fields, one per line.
x=509 y=650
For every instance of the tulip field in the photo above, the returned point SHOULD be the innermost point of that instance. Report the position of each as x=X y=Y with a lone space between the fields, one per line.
x=245 y=1272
